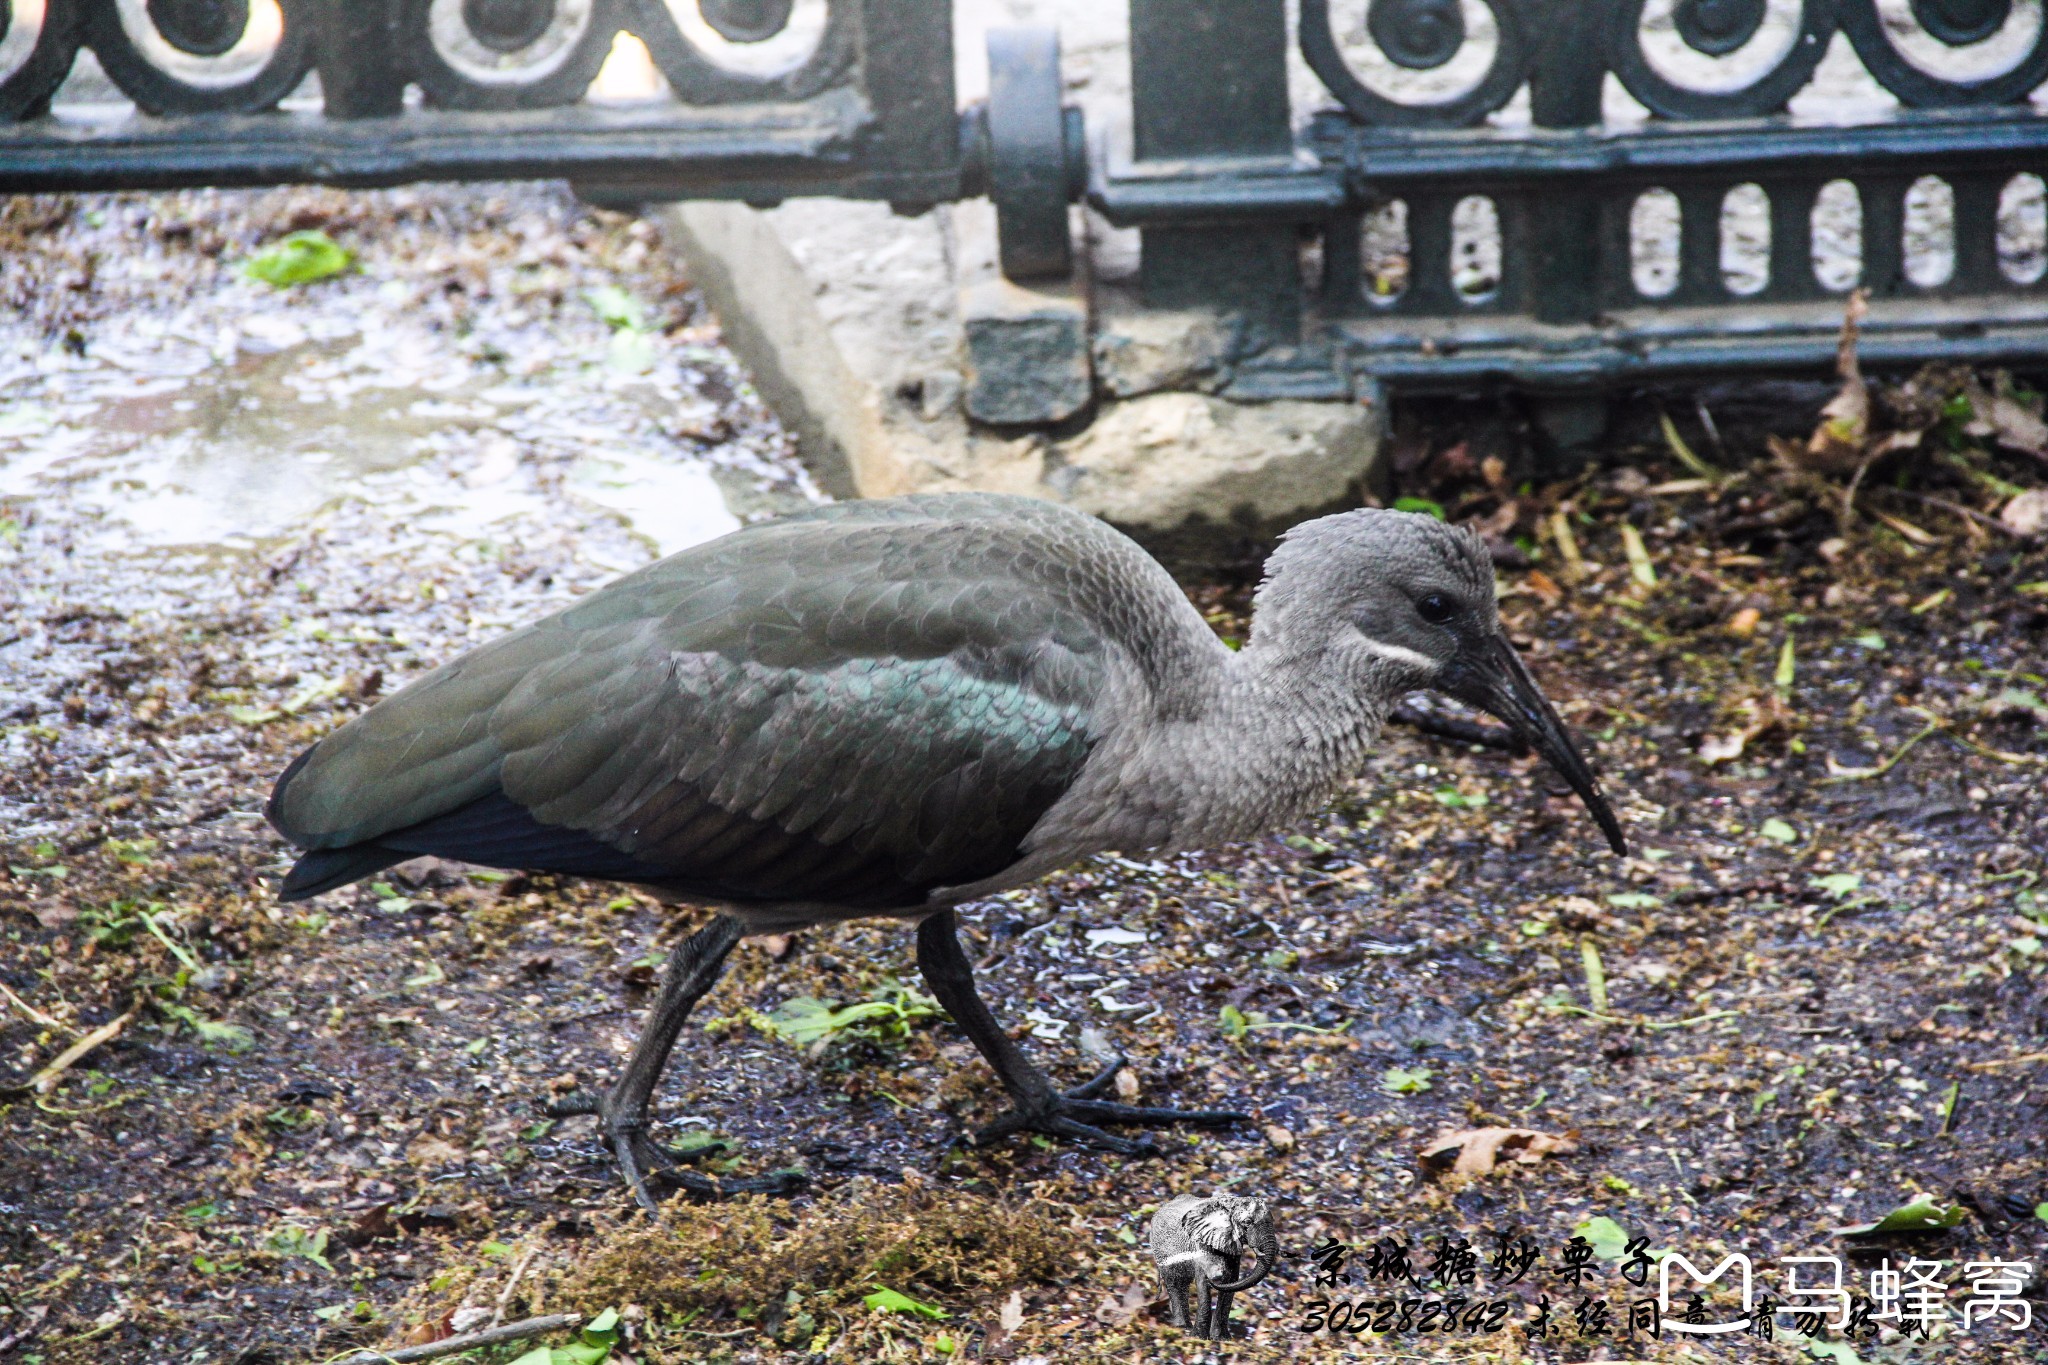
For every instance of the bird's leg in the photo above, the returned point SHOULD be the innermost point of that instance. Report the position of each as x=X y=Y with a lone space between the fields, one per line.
x=1038 y=1107
x=693 y=969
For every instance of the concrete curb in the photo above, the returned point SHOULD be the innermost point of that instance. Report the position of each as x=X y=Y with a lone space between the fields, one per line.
x=857 y=324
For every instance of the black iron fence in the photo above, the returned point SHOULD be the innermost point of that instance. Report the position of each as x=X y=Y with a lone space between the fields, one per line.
x=1489 y=129
x=1912 y=196
x=770 y=98
x=1551 y=193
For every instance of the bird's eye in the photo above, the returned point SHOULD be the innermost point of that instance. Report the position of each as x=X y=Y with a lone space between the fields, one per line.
x=1436 y=609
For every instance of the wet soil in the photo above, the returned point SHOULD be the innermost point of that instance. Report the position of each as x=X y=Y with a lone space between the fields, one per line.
x=1813 y=991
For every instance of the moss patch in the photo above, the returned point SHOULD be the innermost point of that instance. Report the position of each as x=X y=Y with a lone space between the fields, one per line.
x=743 y=1258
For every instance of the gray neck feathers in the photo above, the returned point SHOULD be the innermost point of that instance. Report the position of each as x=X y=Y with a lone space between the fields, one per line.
x=1270 y=731
x=1220 y=746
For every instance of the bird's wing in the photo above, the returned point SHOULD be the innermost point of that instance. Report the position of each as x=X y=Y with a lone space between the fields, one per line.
x=835 y=708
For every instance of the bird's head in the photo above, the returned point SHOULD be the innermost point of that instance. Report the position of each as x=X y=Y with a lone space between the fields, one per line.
x=1404 y=602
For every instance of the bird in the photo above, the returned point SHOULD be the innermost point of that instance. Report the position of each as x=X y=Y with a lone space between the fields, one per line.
x=892 y=707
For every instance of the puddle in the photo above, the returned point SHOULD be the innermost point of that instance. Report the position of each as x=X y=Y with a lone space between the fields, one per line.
x=674 y=505
x=250 y=451
x=458 y=387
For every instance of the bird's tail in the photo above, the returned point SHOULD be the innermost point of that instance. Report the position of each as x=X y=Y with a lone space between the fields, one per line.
x=323 y=869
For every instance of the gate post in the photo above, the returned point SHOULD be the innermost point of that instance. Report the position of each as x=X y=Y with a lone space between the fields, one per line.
x=1209 y=80
x=1565 y=275
x=362 y=70
x=1564 y=92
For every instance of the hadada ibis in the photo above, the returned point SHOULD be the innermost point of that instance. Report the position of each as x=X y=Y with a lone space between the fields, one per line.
x=891 y=707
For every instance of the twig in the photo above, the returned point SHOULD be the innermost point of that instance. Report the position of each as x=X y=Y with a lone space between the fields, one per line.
x=1769 y=886
x=505 y=1294
x=1700 y=468
x=178 y=950
x=1596 y=973
x=1905 y=528
x=46 y=1080
x=2002 y=755
x=2027 y=1059
x=467 y=1341
x=1713 y=432
x=1658 y=1025
x=30 y=1010
x=1567 y=543
x=32 y=1323
x=1643 y=1021
x=1843 y=908
x=1948 y=505
x=1860 y=774
x=1848 y=516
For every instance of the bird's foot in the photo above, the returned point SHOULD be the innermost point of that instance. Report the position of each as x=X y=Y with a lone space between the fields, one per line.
x=1078 y=1114
x=641 y=1159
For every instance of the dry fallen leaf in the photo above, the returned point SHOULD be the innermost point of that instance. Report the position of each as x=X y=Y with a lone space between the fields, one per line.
x=1744 y=623
x=2005 y=419
x=1282 y=1140
x=1721 y=748
x=429 y=1153
x=777 y=946
x=1479 y=1150
x=1837 y=443
x=1127 y=1085
x=2027 y=514
x=53 y=914
x=1118 y=1311
x=1544 y=586
x=1755 y=717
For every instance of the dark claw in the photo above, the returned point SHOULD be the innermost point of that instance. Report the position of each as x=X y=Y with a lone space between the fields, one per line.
x=1104 y=1111
x=779 y=1183
x=641 y=1159
x=1097 y=1083
x=1075 y=1114
x=1053 y=1123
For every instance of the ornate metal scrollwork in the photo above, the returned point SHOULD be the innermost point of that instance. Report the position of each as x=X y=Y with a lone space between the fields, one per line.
x=1953 y=24
x=507 y=54
x=36 y=52
x=1961 y=22
x=748 y=21
x=202 y=56
x=237 y=56
x=1738 y=59
x=697 y=75
x=1719 y=27
x=1418 y=35
x=526 y=54
x=202 y=28
x=1720 y=30
x=508 y=26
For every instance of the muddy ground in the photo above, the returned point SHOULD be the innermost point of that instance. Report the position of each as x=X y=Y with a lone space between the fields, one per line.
x=1814 y=991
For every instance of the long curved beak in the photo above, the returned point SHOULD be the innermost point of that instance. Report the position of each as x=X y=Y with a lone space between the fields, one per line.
x=1497 y=682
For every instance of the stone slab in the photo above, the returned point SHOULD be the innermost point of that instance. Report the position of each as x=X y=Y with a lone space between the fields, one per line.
x=903 y=361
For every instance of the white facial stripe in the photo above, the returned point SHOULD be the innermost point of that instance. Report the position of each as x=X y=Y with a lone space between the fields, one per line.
x=1400 y=654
